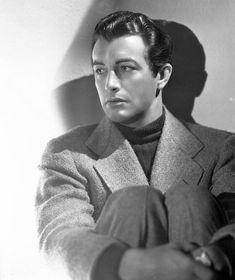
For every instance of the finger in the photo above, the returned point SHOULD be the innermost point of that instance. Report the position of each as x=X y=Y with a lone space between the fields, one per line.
x=203 y=272
x=189 y=247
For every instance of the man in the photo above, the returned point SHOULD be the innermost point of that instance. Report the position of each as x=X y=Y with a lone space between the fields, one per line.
x=141 y=195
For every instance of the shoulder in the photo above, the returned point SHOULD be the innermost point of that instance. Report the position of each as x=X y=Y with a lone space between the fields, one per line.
x=210 y=136
x=73 y=140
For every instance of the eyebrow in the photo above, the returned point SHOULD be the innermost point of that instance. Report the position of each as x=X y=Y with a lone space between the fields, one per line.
x=128 y=59
x=96 y=62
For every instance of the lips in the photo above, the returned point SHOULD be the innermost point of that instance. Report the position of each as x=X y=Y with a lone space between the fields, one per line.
x=115 y=100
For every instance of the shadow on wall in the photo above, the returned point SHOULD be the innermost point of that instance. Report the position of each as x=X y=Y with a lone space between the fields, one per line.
x=189 y=75
x=78 y=101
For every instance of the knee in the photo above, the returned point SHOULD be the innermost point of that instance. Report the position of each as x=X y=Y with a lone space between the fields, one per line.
x=136 y=195
x=183 y=189
x=131 y=213
x=133 y=200
x=185 y=195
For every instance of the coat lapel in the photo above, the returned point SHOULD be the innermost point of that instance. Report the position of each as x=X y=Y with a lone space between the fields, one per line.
x=174 y=157
x=174 y=161
x=117 y=163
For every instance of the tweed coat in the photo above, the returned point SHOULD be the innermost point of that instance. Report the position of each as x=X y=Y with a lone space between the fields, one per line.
x=81 y=168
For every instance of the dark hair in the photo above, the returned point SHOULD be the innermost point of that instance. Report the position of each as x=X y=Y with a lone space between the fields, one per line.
x=121 y=23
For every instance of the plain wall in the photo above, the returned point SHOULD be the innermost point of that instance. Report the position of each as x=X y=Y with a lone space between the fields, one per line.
x=37 y=40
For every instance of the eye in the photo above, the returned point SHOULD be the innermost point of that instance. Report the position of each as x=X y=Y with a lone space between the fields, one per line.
x=99 y=71
x=126 y=68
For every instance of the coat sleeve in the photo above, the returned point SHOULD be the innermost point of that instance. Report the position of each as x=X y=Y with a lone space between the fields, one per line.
x=65 y=216
x=223 y=186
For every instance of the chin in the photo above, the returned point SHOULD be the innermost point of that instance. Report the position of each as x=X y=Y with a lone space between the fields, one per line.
x=130 y=121
x=119 y=118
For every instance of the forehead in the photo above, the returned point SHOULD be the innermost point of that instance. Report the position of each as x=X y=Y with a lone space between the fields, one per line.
x=132 y=47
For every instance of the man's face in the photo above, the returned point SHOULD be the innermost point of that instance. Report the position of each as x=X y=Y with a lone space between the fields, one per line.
x=124 y=81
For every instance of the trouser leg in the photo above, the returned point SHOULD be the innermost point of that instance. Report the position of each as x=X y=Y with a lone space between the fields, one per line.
x=194 y=215
x=136 y=216
x=143 y=217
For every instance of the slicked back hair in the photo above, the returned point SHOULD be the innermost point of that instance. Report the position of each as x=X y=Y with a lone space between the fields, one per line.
x=123 y=23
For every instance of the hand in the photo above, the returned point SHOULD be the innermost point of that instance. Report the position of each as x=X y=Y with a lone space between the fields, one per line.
x=165 y=262
x=217 y=259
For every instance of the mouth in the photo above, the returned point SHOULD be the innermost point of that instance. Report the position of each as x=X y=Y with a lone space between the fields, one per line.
x=115 y=100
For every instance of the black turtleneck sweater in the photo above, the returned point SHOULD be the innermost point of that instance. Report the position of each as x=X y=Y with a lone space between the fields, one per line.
x=144 y=141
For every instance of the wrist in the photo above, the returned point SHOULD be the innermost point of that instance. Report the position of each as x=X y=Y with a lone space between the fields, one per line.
x=106 y=266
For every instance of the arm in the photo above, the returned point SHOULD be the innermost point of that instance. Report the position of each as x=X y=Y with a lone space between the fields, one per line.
x=223 y=186
x=165 y=262
x=65 y=215
x=221 y=249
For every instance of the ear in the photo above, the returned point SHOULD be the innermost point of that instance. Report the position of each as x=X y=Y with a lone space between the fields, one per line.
x=163 y=75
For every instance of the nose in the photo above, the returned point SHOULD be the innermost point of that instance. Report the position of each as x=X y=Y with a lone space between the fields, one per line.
x=112 y=82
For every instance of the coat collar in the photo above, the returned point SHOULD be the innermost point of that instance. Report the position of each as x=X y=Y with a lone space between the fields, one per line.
x=119 y=166
x=174 y=160
x=175 y=130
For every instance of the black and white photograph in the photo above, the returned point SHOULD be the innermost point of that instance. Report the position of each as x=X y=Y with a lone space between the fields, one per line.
x=118 y=140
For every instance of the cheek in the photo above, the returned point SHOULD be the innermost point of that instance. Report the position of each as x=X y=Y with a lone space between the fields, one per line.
x=144 y=89
x=100 y=89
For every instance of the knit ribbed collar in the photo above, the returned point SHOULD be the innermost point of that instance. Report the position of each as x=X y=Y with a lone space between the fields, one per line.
x=145 y=134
